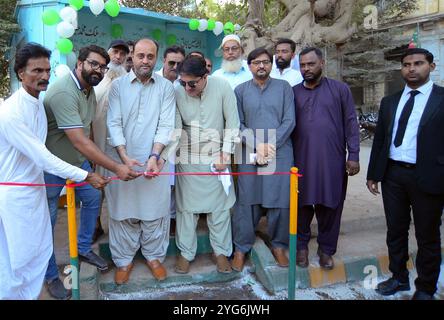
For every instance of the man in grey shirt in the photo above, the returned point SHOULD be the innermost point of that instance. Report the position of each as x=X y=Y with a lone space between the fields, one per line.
x=267 y=118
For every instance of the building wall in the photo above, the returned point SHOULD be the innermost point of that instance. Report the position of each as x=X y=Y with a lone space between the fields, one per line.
x=97 y=30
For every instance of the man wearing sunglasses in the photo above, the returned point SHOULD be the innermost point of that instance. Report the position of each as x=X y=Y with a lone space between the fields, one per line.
x=70 y=105
x=171 y=58
x=207 y=114
x=234 y=69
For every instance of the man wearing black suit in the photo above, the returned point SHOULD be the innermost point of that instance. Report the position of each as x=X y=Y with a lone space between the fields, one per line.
x=408 y=158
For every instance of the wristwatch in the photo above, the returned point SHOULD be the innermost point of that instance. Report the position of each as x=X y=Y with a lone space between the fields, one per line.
x=154 y=155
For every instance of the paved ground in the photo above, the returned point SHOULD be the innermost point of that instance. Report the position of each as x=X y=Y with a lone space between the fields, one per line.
x=362 y=233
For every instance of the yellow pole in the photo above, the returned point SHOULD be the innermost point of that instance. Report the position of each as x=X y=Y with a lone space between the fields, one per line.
x=293 y=232
x=72 y=234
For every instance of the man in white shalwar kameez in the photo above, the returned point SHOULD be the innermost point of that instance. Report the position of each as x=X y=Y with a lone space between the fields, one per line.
x=25 y=227
x=140 y=120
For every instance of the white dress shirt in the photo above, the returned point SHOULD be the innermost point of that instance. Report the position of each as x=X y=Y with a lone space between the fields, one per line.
x=292 y=76
x=406 y=152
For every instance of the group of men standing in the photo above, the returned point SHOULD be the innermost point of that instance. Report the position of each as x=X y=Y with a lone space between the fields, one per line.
x=148 y=125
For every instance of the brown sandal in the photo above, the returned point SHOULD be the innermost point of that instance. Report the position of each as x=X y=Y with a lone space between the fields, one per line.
x=223 y=265
x=182 y=265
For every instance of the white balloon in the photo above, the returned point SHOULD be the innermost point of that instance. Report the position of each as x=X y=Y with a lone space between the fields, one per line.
x=96 y=6
x=218 y=28
x=65 y=29
x=75 y=23
x=203 y=25
x=68 y=14
x=237 y=27
x=61 y=70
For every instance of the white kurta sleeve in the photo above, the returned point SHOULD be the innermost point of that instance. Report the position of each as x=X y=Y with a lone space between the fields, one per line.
x=166 y=117
x=17 y=133
x=114 y=120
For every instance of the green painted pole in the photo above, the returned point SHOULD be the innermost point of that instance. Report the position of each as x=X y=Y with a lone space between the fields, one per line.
x=293 y=232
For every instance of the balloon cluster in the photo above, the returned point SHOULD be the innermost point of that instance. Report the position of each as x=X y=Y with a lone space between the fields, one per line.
x=66 y=20
x=212 y=25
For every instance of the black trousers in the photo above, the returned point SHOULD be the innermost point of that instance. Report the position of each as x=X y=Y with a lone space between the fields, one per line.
x=401 y=196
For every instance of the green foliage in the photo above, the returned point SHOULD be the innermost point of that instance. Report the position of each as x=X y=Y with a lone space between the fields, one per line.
x=230 y=11
x=8 y=26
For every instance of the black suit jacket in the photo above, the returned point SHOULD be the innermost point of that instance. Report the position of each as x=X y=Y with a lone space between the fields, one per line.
x=429 y=169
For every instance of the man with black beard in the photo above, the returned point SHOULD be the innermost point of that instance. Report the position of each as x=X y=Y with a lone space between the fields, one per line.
x=70 y=105
x=284 y=53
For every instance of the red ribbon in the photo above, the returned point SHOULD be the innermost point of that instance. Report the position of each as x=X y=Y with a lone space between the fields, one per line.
x=73 y=185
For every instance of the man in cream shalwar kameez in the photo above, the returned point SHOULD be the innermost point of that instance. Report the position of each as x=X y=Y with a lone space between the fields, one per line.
x=207 y=114
x=25 y=227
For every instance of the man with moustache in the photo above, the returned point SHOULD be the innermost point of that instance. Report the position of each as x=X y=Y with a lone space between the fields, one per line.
x=25 y=227
x=284 y=54
x=171 y=58
x=70 y=105
x=233 y=68
x=326 y=127
x=407 y=157
x=118 y=51
x=129 y=58
x=266 y=112
x=140 y=120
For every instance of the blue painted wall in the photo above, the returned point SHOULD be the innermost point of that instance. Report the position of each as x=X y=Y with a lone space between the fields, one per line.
x=136 y=23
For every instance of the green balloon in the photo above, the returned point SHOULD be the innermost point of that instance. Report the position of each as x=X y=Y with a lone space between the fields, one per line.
x=211 y=24
x=76 y=4
x=193 y=24
x=50 y=17
x=112 y=8
x=229 y=27
x=116 y=30
x=171 y=39
x=64 y=45
x=157 y=34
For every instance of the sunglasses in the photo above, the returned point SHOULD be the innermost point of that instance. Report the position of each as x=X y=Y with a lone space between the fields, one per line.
x=172 y=63
x=192 y=84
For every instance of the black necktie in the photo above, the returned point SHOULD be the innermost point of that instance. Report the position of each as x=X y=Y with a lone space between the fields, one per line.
x=404 y=118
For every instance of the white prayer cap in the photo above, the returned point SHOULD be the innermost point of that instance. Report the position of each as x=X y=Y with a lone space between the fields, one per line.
x=230 y=37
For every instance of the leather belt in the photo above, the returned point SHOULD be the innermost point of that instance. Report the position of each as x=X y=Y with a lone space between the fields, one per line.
x=403 y=164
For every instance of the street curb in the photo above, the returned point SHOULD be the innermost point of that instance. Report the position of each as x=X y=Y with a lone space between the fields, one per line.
x=275 y=279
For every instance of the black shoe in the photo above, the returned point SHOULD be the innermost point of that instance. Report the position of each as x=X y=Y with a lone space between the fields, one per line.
x=421 y=295
x=391 y=286
x=325 y=260
x=302 y=258
x=57 y=290
x=95 y=260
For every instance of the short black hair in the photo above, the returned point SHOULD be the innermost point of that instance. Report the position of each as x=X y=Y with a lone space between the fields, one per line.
x=194 y=52
x=30 y=50
x=257 y=52
x=428 y=55
x=174 y=49
x=155 y=42
x=311 y=49
x=85 y=51
x=130 y=43
x=285 y=40
x=193 y=66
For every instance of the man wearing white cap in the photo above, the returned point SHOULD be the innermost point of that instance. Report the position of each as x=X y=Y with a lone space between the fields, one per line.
x=233 y=68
